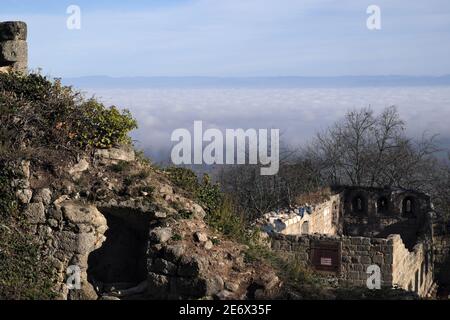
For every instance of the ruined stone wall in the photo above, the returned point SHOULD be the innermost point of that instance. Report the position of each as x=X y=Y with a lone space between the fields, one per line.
x=13 y=47
x=324 y=219
x=399 y=267
x=383 y=212
x=356 y=255
x=412 y=271
x=441 y=252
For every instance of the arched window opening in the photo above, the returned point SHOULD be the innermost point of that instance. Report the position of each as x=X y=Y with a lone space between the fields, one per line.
x=382 y=205
x=409 y=206
x=359 y=205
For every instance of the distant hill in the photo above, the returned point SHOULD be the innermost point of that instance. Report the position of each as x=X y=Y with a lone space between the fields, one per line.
x=257 y=82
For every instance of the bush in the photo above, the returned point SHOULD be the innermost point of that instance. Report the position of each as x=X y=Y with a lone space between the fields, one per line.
x=227 y=222
x=102 y=127
x=8 y=202
x=183 y=178
x=208 y=195
x=24 y=274
x=37 y=112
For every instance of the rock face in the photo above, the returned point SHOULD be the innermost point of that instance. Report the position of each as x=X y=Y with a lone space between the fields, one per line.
x=107 y=239
x=13 y=47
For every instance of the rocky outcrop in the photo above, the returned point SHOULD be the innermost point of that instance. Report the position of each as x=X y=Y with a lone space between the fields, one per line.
x=125 y=234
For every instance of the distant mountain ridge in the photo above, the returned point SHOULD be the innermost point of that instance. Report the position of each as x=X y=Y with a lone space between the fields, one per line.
x=257 y=82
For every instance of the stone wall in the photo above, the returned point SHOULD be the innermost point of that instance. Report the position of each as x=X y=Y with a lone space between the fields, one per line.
x=356 y=255
x=13 y=47
x=398 y=266
x=441 y=252
x=382 y=212
x=412 y=270
x=324 y=219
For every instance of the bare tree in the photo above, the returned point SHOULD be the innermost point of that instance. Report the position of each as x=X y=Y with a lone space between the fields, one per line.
x=369 y=150
x=362 y=149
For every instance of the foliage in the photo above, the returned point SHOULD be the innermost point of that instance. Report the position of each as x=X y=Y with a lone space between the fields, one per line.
x=298 y=279
x=225 y=220
x=209 y=195
x=8 y=201
x=205 y=193
x=119 y=167
x=183 y=178
x=177 y=237
x=185 y=214
x=363 y=149
x=103 y=127
x=36 y=112
x=24 y=274
x=141 y=157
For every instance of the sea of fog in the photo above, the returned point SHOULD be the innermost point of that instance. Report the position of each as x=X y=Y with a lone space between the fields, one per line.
x=299 y=113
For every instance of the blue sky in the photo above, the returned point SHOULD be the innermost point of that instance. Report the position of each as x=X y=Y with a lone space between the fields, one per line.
x=236 y=37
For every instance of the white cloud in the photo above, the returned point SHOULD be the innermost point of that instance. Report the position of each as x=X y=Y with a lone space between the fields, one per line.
x=298 y=113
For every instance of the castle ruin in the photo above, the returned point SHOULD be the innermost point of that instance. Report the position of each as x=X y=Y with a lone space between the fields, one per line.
x=350 y=230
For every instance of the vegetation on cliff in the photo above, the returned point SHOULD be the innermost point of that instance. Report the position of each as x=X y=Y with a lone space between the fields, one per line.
x=42 y=121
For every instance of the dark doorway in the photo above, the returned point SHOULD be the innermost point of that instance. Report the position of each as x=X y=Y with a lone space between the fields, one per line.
x=122 y=257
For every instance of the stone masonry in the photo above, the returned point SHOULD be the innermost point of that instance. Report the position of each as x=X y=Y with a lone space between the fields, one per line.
x=356 y=228
x=13 y=47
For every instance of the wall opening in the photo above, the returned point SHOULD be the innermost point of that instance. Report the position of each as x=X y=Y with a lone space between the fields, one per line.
x=382 y=205
x=122 y=259
x=335 y=213
x=305 y=227
x=359 y=205
x=409 y=207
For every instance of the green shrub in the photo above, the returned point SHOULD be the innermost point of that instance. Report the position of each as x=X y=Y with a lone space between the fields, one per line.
x=185 y=214
x=183 y=178
x=52 y=115
x=177 y=237
x=227 y=222
x=103 y=127
x=119 y=167
x=208 y=195
x=24 y=274
x=141 y=157
x=8 y=201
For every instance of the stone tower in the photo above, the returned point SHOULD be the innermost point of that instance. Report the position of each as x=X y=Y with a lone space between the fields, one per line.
x=13 y=47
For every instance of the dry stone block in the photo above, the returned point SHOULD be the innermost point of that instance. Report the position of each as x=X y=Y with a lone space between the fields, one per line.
x=114 y=155
x=13 y=30
x=200 y=237
x=35 y=213
x=160 y=235
x=43 y=195
x=13 y=51
x=162 y=266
